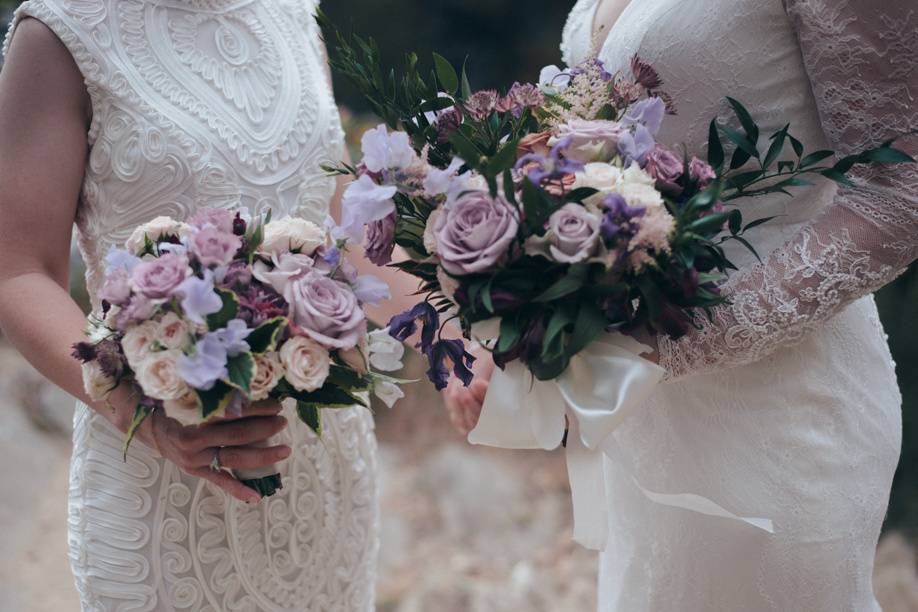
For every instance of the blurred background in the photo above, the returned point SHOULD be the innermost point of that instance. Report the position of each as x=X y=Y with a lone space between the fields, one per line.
x=463 y=529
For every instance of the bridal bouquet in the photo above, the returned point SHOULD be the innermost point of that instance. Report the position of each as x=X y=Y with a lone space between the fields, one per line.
x=201 y=317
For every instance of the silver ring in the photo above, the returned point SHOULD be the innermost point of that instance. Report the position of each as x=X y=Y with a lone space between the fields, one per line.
x=215 y=462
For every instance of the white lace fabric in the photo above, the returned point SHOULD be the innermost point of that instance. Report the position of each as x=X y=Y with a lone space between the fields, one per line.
x=210 y=103
x=863 y=65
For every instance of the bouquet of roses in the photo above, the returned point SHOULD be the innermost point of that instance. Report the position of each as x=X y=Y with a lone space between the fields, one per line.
x=201 y=317
x=550 y=210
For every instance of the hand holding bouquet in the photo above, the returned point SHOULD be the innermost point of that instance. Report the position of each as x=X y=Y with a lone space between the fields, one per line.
x=202 y=318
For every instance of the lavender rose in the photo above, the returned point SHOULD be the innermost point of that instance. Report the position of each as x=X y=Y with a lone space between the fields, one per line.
x=701 y=172
x=595 y=140
x=117 y=287
x=214 y=247
x=666 y=168
x=380 y=240
x=573 y=235
x=475 y=233
x=325 y=310
x=160 y=277
x=219 y=218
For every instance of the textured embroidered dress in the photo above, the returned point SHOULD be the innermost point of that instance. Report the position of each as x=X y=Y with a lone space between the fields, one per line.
x=785 y=406
x=203 y=103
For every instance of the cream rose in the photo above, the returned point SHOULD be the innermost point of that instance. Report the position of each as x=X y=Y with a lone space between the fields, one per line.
x=291 y=234
x=600 y=176
x=173 y=331
x=159 y=377
x=268 y=372
x=98 y=384
x=185 y=409
x=306 y=363
x=639 y=188
x=155 y=230
x=138 y=341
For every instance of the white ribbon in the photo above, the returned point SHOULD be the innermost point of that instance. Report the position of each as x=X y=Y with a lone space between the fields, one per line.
x=603 y=385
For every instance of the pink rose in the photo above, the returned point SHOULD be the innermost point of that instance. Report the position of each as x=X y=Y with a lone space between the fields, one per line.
x=325 y=310
x=701 y=172
x=475 y=233
x=666 y=168
x=213 y=247
x=160 y=277
x=117 y=287
x=219 y=218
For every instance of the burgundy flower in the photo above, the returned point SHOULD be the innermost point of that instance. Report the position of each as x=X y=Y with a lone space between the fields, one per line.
x=644 y=73
x=481 y=104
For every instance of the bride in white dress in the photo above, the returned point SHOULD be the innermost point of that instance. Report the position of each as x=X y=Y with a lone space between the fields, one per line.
x=785 y=406
x=114 y=112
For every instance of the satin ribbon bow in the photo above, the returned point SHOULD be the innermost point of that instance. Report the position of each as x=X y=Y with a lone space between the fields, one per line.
x=604 y=384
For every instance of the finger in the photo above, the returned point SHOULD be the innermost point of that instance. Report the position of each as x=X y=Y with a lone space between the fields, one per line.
x=225 y=481
x=262 y=408
x=237 y=432
x=472 y=414
x=479 y=390
x=244 y=458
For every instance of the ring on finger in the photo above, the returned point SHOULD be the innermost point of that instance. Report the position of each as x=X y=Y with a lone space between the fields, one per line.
x=215 y=464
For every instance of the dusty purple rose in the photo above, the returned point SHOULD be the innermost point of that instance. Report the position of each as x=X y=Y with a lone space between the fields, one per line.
x=219 y=218
x=137 y=309
x=160 y=277
x=380 y=240
x=481 y=104
x=325 y=310
x=701 y=172
x=666 y=168
x=573 y=233
x=590 y=140
x=475 y=233
x=213 y=247
x=117 y=287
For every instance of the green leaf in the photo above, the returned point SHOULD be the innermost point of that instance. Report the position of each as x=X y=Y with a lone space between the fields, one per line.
x=446 y=74
x=580 y=194
x=749 y=125
x=241 y=370
x=777 y=145
x=537 y=205
x=227 y=313
x=311 y=415
x=466 y=149
x=715 y=148
x=263 y=338
x=888 y=155
x=758 y=222
x=815 y=158
x=567 y=284
x=215 y=400
x=141 y=413
x=709 y=224
x=510 y=333
x=486 y=300
x=466 y=89
x=590 y=323
x=797 y=145
x=735 y=221
x=740 y=141
x=552 y=344
x=348 y=379
x=329 y=396
x=504 y=159
x=837 y=176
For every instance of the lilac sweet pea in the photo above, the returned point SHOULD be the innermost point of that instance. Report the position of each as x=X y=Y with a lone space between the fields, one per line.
x=206 y=366
x=552 y=166
x=199 y=298
x=648 y=112
x=370 y=290
x=382 y=150
x=233 y=336
x=119 y=258
x=364 y=201
x=636 y=147
x=552 y=79
x=438 y=182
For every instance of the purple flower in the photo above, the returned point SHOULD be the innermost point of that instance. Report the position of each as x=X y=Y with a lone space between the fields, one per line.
x=648 y=112
x=365 y=201
x=618 y=220
x=119 y=258
x=326 y=310
x=205 y=366
x=438 y=182
x=370 y=290
x=701 y=172
x=138 y=308
x=403 y=326
x=117 y=287
x=384 y=151
x=573 y=234
x=160 y=277
x=258 y=303
x=593 y=140
x=218 y=218
x=380 y=240
x=475 y=233
x=481 y=104
x=666 y=168
x=199 y=298
x=461 y=360
x=644 y=73
x=213 y=246
x=555 y=165
x=636 y=147
x=332 y=256
x=521 y=96
x=233 y=336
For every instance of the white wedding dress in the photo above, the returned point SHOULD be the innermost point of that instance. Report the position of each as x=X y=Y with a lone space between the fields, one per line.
x=785 y=406
x=210 y=103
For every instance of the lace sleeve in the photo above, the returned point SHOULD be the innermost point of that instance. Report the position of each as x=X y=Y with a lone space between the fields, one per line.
x=861 y=59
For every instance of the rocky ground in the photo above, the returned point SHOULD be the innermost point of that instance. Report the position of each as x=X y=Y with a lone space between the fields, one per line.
x=464 y=530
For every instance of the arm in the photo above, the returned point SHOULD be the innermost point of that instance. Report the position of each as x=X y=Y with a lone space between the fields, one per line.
x=44 y=111
x=865 y=78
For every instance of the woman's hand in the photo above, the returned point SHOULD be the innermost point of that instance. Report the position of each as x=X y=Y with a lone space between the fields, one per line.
x=464 y=403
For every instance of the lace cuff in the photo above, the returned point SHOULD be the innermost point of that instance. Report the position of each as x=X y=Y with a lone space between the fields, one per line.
x=864 y=72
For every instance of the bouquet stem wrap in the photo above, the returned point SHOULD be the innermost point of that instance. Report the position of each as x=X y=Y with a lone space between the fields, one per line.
x=604 y=384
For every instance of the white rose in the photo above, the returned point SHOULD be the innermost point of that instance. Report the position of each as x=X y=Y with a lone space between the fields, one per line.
x=268 y=372
x=388 y=392
x=185 y=409
x=306 y=363
x=292 y=234
x=600 y=176
x=98 y=384
x=173 y=331
x=138 y=341
x=159 y=378
x=155 y=230
x=430 y=237
x=638 y=188
x=385 y=351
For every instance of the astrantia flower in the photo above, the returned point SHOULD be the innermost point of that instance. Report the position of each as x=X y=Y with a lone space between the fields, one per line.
x=481 y=104
x=258 y=304
x=521 y=96
x=387 y=151
x=644 y=73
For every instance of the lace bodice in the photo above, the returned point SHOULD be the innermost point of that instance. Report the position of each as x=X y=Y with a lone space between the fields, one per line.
x=860 y=75
x=194 y=103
